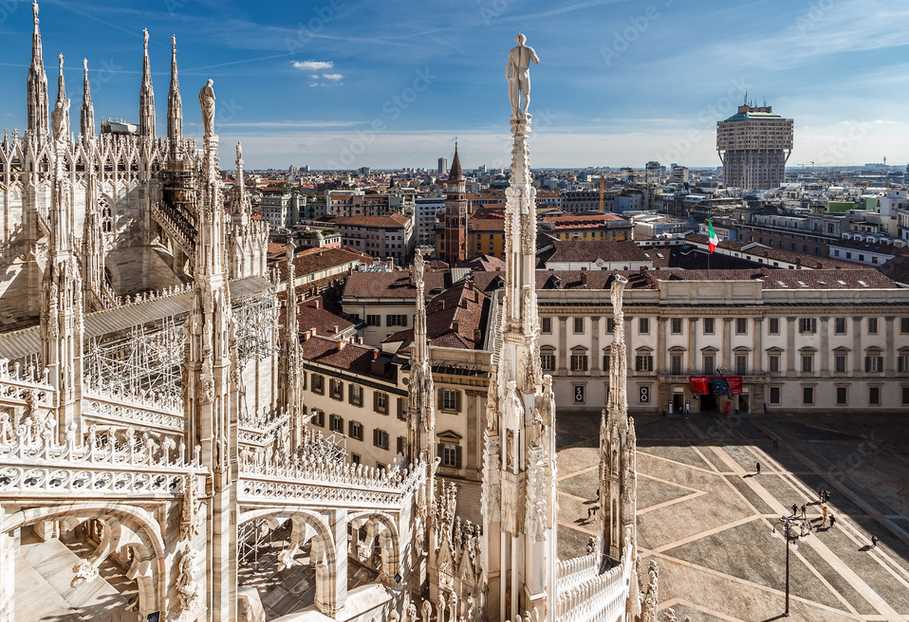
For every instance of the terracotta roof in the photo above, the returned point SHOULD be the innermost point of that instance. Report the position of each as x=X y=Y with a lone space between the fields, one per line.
x=583 y=221
x=896 y=269
x=872 y=247
x=456 y=318
x=591 y=250
x=495 y=225
x=484 y=263
x=318 y=259
x=351 y=357
x=399 y=284
x=808 y=261
x=770 y=278
x=392 y=221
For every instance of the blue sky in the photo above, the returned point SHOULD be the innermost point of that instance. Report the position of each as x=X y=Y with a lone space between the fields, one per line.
x=391 y=84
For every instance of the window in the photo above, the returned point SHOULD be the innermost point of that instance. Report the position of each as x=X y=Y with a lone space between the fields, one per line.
x=905 y=395
x=401 y=446
x=741 y=326
x=402 y=408
x=450 y=454
x=874 y=363
x=380 y=438
x=610 y=326
x=607 y=359
x=578 y=326
x=547 y=359
x=741 y=364
x=546 y=325
x=839 y=363
x=675 y=364
x=774 y=395
x=774 y=328
x=676 y=326
x=709 y=363
x=336 y=424
x=643 y=325
x=318 y=418
x=396 y=320
x=872 y=325
x=839 y=326
x=336 y=389
x=643 y=362
x=579 y=359
x=355 y=459
x=708 y=326
x=355 y=395
x=807 y=363
x=450 y=399
x=355 y=430
x=318 y=384
x=874 y=396
x=774 y=363
x=842 y=396
x=380 y=402
x=807 y=395
x=807 y=325
x=904 y=325
x=373 y=320
x=902 y=362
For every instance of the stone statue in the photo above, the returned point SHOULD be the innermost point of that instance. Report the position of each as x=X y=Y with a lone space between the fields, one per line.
x=239 y=152
x=517 y=71
x=60 y=114
x=207 y=101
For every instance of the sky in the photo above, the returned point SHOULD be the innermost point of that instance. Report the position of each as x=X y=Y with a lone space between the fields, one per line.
x=393 y=84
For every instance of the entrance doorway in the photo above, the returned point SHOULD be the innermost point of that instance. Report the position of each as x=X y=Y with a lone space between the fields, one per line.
x=678 y=402
x=743 y=403
x=708 y=404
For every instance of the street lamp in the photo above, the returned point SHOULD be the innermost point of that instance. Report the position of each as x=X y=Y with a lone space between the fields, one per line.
x=788 y=522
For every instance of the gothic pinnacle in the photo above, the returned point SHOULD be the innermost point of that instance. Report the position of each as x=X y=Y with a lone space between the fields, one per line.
x=37 y=84
x=146 y=96
x=87 y=118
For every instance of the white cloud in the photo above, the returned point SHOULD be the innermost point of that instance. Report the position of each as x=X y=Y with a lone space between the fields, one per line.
x=332 y=76
x=313 y=65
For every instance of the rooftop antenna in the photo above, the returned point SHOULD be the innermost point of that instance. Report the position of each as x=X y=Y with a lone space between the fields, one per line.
x=746 y=98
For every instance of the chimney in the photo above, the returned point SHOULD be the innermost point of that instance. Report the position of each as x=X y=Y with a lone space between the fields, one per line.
x=359 y=340
x=340 y=345
x=336 y=329
x=441 y=305
x=454 y=326
x=477 y=335
x=319 y=304
x=306 y=335
x=375 y=354
x=313 y=331
x=583 y=277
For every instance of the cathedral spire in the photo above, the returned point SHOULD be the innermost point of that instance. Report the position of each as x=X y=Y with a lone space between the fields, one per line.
x=240 y=206
x=146 y=97
x=62 y=103
x=87 y=119
x=37 y=84
x=174 y=103
x=421 y=405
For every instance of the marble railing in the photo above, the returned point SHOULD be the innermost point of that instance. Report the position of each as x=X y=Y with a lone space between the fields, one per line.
x=105 y=460
x=111 y=410
x=184 y=239
x=121 y=395
x=260 y=428
x=328 y=483
x=601 y=597
x=576 y=570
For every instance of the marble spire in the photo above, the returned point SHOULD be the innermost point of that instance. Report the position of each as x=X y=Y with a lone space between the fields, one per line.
x=240 y=205
x=146 y=97
x=87 y=118
x=61 y=107
x=37 y=84
x=421 y=394
x=174 y=103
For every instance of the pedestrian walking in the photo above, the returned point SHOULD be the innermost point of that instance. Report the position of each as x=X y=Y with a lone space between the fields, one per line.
x=820 y=495
x=776 y=445
x=592 y=511
x=804 y=511
x=873 y=541
x=795 y=509
x=832 y=521
x=757 y=467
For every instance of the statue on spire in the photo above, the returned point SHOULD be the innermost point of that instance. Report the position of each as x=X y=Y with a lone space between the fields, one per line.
x=207 y=101
x=60 y=113
x=517 y=71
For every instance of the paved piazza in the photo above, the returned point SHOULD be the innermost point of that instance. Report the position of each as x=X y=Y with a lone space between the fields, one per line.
x=707 y=517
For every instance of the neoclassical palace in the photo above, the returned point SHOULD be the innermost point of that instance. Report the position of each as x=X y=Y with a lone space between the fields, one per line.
x=156 y=455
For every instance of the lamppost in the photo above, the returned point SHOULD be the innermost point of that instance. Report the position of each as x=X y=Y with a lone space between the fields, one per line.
x=788 y=523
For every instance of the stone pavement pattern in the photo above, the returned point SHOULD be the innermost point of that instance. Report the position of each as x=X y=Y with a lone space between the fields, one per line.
x=707 y=517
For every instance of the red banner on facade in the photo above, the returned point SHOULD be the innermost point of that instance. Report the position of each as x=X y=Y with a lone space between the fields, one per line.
x=699 y=385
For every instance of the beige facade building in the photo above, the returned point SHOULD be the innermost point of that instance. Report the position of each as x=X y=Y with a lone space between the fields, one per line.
x=754 y=145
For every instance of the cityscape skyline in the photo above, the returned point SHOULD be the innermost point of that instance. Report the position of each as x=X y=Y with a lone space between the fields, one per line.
x=325 y=86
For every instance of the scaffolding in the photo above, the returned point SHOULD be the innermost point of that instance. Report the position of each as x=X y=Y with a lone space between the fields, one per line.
x=143 y=359
x=256 y=322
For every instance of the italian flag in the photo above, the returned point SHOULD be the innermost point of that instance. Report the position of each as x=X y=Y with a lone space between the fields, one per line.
x=712 y=240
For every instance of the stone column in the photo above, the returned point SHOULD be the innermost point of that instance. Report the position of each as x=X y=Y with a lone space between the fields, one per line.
x=596 y=354
x=824 y=330
x=563 y=346
x=726 y=351
x=475 y=427
x=790 y=347
x=857 y=353
x=757 y=343
x=692 y=345
x=889 y=352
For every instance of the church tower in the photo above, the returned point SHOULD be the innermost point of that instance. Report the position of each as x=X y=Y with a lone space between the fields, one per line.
x=456 y=214
x=37 y=84
x=146 y=97
x=61 y=309
x=211 y=377
x=519 y=470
